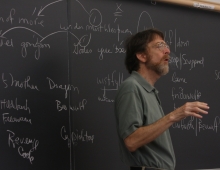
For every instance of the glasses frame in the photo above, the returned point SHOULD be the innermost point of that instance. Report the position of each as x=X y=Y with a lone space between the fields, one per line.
x=161 y=46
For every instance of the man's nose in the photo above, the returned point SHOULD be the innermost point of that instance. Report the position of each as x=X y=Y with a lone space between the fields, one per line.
x=166 y=51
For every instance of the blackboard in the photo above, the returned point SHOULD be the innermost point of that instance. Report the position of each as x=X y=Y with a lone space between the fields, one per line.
x=61 y=63
x=34 y=71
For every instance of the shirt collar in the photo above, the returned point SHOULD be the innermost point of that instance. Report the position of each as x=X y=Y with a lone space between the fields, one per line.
x=143 y=82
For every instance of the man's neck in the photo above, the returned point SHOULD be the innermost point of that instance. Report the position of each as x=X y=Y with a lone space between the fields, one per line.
x=149 y=75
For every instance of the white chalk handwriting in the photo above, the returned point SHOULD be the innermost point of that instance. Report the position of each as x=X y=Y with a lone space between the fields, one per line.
x=24 y=84
x=66 y=87
x=76 y=136
x=14 y=104
x=180 y=94
x=14 y=141
x=63 y=107
x=197 y=125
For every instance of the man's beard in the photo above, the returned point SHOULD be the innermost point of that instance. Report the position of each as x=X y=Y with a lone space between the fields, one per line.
x=160 y=68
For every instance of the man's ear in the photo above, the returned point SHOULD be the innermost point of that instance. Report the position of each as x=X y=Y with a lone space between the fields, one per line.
x=142 y=57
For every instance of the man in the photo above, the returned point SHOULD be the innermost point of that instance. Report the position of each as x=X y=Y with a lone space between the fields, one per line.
x=144 y=138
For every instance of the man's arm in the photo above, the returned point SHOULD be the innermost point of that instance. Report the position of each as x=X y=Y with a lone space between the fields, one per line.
x=146 y=134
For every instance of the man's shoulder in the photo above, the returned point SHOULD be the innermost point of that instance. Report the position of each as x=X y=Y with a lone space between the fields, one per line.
x=129 y=83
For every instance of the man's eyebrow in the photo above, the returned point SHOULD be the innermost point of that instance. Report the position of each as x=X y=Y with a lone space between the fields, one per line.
x=157 y=43
x=161 y=43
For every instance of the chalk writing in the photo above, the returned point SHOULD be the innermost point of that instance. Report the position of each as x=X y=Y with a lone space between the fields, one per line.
x=193 y=63
x=173 y=38
x=66 y=88
x=10 y=17
x=180 y=61
x=96 y=25
x=176 y=79
x=111 y=80
x=145 y=21
x=70 y=27
x=12 y=119
x=82 y=136
x=79 y=107
x=37 y=45
x=103 y=51
x=65 y=136
x=17 y=83
x=95 y=16
x=109 y=29
x=79 y=47
x=104 y=98
x=116 y=50
x=76 y=136
x=18 y=141
x=184 y=125
x=118 y=12
x=13 y=104
x=31 y=22
x=6 y=42
x=185 y=96
x=197 y=125
x=46 y=6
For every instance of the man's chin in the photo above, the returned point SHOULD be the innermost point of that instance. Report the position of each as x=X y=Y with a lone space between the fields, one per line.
x=165 y=70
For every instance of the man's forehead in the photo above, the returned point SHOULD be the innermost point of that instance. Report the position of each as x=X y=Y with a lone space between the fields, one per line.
x=156 y=39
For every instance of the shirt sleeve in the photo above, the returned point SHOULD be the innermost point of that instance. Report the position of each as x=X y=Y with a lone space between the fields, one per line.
x=130 y=113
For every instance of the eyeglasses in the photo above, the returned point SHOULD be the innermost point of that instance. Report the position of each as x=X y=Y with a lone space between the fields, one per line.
x=161 y=46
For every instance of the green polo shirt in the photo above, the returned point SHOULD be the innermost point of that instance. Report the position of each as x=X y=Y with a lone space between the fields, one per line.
x=137 y=104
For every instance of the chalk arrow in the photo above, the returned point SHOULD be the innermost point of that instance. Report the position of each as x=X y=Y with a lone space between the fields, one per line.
x=42 y=9
x=19 y=28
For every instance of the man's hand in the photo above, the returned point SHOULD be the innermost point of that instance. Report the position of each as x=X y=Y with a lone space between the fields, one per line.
x=194 y=109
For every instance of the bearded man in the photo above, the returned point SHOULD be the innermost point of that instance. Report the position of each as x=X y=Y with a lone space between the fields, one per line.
x=144 y=138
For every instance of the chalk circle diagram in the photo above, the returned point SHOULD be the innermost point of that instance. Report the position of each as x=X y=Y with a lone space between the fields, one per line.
x=144 y=22
x=95 y=18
